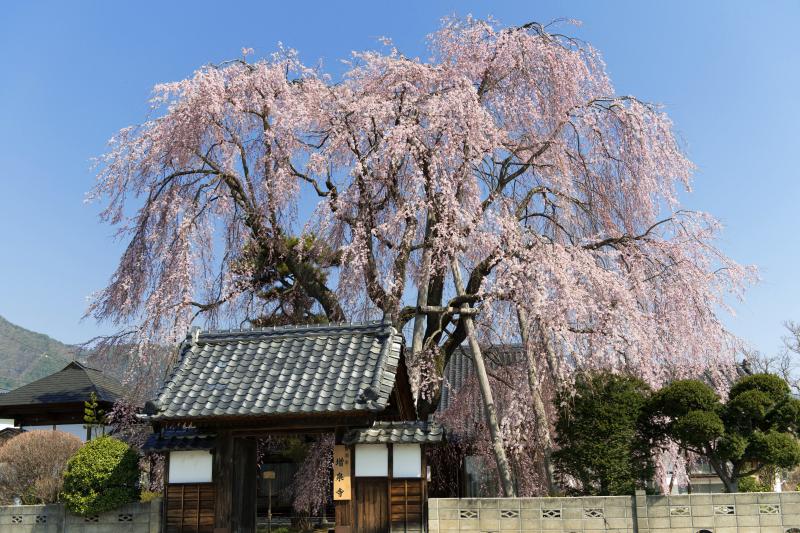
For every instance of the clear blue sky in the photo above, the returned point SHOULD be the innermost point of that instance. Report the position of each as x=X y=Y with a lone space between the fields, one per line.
x=73 y=73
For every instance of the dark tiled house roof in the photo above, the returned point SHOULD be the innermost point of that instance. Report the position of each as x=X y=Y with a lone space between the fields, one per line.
x=281 y=371
x=407 y=432
x=460 y=368
x=7 y=434
x=73 y=384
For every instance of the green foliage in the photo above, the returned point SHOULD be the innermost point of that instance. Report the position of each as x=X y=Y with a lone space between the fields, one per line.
x=596 y=428
x=148 y=496
x=101 y=476
x=775 y=448
x=755 y=429
x=294 y=449
x=698 y=426
x=752 y=484
x=770 y=384
x=276 y=284
x=683 y=396
x=93 y=416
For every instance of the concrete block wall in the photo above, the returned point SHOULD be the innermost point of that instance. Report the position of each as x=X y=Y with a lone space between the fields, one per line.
x=698 y=513
x=768 y=512
x=133 y=518
x=613 y=514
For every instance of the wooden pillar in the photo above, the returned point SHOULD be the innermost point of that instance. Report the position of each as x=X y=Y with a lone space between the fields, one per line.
x=245 y=480
x=390 y=459
x=165 y=492
x=424 y=487
x=222 y=477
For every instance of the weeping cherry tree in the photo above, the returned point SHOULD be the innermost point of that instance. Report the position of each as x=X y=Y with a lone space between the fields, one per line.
x=497 y=192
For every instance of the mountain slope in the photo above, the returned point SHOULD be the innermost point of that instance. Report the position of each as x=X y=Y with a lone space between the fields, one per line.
x=26 y=356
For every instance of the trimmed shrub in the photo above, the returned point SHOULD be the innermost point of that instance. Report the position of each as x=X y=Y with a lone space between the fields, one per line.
x=31 y=465
x=148 y=496
x=753 y=484
x=103 y=475
x=754 y=430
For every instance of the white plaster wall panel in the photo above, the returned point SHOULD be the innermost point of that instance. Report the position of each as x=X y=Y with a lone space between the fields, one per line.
x=372 y=460
x=406 y=460
x=190 y=467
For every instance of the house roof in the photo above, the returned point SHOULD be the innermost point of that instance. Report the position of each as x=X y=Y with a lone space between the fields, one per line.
x=9 y=433
x=178 y=439
x=296 y=370
x=461 y=368
x=406 y=432
x=72 y=384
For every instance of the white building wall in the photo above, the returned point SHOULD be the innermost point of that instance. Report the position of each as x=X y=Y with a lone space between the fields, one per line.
x=79 y=430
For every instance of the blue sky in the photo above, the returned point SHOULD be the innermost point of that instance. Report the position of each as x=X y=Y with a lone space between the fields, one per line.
x=73 y=73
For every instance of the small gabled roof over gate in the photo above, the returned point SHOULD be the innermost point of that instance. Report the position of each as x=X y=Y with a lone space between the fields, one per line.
x=305 y=370
x=397 y=432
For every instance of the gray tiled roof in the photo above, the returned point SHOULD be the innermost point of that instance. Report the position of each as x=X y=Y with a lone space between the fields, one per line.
x=282 y=371
x=397 y=433
x=178 y=439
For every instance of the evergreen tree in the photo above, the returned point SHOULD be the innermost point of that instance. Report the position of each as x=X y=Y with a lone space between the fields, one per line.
x=93 y=416
x=600 y=451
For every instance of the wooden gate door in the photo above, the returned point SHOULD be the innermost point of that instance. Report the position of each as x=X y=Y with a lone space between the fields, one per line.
x=407 y=505
x=372 y=505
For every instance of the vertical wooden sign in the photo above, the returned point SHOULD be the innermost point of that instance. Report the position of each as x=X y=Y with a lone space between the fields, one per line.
x=341 y=472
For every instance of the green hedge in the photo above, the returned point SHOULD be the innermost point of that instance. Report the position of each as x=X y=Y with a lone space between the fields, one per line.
x=103 y=475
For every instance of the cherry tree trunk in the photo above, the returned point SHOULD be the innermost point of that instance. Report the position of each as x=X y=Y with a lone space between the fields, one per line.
x=422 y=296
x=542 y=422
x=503 y=468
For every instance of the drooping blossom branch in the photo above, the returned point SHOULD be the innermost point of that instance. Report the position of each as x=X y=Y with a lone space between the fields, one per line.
x=312 y=485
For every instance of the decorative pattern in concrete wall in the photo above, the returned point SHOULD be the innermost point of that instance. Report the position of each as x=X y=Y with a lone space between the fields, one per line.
x=133 y=518
x=768 y=512
x=531 y=514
